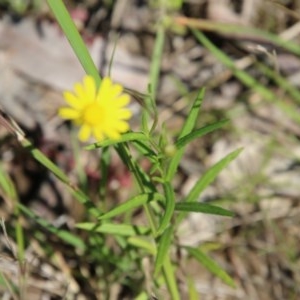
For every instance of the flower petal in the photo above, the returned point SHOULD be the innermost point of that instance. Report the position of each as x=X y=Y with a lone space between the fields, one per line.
x=123 y=114
x=112 y=134
x=72 y=100
x=100 y=113
x=89 y=88
x=122 y=126
x=116 y=90
x=109 y=91
x=84 y=133
x=79 y=90
x=68 y=113
x=98 y=133
x=105 y=86
x=121 y=101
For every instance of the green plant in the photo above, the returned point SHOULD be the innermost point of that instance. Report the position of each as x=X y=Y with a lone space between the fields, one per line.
x=156 y=196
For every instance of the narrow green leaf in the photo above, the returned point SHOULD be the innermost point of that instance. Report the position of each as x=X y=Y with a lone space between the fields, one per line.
x=156 y=60
x=193 y=114
x=140 y=242
x=282 y=82
x=126 y=137
x=186 y=129
x=2 y=279
x=142 y=177
x=145 y=150
x=150 y=101
x=163 y=249
x=131 y=204
x=242 y=31
x=169 y=209
x=46 y=162
x=182 y=142
x=170 y=279
x=142 y=296
x=66 y=236
x=66 y=23
x=192 y=291
x=116 y=229
x=203 y=208
x=105 y=160
x=7 y=184
x=210 y=175
x=211 y=265
x=289 y=108
x=9 y=285
x=207 y=178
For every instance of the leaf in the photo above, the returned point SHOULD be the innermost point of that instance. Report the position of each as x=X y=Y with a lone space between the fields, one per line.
x=105 y=161
x=126 y=137
x=207 y=178
x=192 y=291
x=192 y=115
x=203 y=208
x=66 y=236
x=7 y=185
x=131 y=204
x=47 y=163
x=186 y=129
x=221 y=27
x=210 y=175
x=67 y=25
x=211 y=265
x=140 y=242
x=169 y=209
x=248 y=80
x=116 y=229
x=163 y=249
x=140 y=175
x=144 y=150
x=182 y=142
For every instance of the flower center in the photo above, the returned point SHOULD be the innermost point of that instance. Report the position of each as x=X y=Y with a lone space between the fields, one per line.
x=92 y=114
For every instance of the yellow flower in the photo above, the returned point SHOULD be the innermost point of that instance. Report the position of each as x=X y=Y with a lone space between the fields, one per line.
x=101 y=112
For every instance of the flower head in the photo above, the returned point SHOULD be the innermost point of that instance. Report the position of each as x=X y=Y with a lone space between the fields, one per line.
x=101 y=112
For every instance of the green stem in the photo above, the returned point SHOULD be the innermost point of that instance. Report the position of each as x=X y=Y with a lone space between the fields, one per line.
x=19 y=236
x=168 y=271
x=142 y=181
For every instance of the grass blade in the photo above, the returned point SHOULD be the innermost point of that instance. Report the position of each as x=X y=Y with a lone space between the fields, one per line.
x=125 y=137
x=66 y=236
x=203 y=208
x=185 y=140
x=243 y=31
x=140 y=242
x=67 y=25
x=211 y=265
x=145 y=150
x=48 y=164
x=208 y=177
x=7 y=185
x=192 y=115
x=163 y=249
x=289 y=108
x=131 y=204
x=169 y=209
x=186 y=129
x=115 y=229
x=170 y=279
